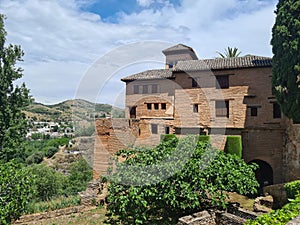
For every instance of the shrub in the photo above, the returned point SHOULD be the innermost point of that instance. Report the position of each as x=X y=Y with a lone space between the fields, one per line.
x=49 y=183
x=173 y=179
x=49 y=151
x=167 y=137
x=234 y=145
x=58 y=142
x=15 y=191
x=80 y=174
x=292 y=188
x=204 y=138
x=36 y=136
x=35 y=158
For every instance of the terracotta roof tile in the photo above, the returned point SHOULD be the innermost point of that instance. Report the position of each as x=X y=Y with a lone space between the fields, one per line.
x=150 y=74
x=223 y=63
x=178 y=47
x=200 y=65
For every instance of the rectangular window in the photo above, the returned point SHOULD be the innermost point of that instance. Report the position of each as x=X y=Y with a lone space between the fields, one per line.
x=145 y=89
x=149 y=106
x=276 y=110
x=195 y=108
x=154 y=129
x=156 y=106
x=132 y=112
x=154 y=88
x=222 y=108
x=135 y=89
x=222 y=82
x=163 y=106
x=167 y=130
x=253 y=111
x=195 y=82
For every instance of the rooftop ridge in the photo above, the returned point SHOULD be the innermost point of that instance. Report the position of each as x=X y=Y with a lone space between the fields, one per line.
x=250 y=61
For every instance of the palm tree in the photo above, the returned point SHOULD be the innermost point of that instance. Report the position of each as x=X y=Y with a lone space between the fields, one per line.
x=230 y=53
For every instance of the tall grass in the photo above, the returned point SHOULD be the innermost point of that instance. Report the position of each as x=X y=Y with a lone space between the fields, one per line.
x=57 y=203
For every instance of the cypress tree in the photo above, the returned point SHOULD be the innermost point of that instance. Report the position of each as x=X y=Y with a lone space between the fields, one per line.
x=286 y=59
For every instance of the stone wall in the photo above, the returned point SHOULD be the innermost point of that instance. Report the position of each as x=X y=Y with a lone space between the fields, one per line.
x=265 y=145
x=278 y=193
x=203 y=217
x=233 y=216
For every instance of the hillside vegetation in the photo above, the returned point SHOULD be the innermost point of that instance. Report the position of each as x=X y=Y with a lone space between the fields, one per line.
x=71 y=110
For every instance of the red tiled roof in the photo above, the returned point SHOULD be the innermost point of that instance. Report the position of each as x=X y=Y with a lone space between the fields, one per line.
x=201 y=65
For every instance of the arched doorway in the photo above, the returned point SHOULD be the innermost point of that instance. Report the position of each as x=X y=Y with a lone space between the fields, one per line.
x=264 y=174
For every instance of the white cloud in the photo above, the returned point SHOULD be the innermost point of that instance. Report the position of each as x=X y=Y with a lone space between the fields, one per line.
x=61 y=41
x=144 y=3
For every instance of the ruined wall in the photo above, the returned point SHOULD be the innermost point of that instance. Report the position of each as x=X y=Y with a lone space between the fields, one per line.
x=115 y=134
x=112 y=135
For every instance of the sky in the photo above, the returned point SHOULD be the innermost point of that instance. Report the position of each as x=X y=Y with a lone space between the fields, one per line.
x=81 y=48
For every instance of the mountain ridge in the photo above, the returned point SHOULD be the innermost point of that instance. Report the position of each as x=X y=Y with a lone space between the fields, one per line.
x=71 y=110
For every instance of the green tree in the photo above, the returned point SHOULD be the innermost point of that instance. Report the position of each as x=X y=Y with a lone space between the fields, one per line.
x=199 y=177
x=230 y=53
x=80 y=174
x=13 y=99
x=48 y=182
x=286 y=59
x=15 y=191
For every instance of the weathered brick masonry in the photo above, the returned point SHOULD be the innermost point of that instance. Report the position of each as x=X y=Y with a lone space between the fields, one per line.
x=217 y=97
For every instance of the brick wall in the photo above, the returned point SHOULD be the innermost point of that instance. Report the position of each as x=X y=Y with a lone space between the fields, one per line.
x=112 y=135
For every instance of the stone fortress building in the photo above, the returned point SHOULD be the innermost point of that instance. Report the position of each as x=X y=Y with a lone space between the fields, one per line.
x=216 y=97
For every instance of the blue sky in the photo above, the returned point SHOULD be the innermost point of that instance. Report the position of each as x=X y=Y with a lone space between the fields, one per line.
x=64 y=40
x=109 y=9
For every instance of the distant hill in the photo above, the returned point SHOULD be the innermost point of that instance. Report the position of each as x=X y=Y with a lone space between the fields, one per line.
x=71 y=110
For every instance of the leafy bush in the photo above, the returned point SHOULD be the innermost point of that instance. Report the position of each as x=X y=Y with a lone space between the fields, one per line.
x=36 y=136
x=35 y=158
x=280 y=216
x=50 y=151
x=234 y=145
x=204 y=138
x=292 y=188
x=58 y=142
x=80 y=174
x=167 y=137
x=173 y=179
x=49 y=183
x=15 y=191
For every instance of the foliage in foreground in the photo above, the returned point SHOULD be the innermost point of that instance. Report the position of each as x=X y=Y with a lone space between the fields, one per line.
x=15 y=191
x=292 y=189
x=280 y=216
x=286 y=59
x=173 y=179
